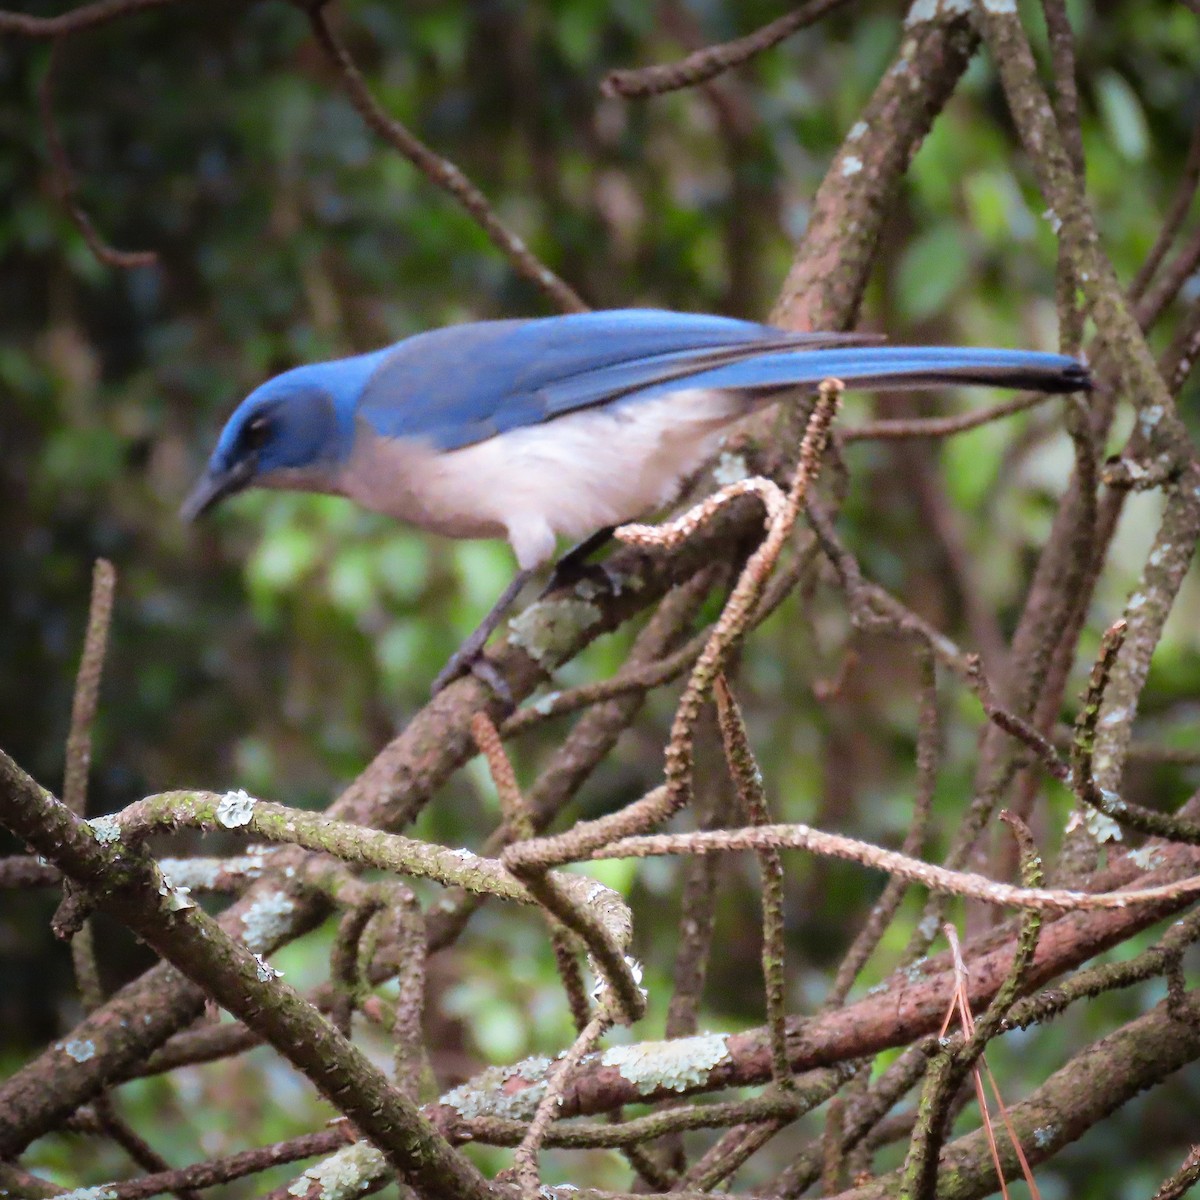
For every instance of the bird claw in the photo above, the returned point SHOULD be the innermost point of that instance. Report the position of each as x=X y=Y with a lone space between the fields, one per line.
x=483 y=669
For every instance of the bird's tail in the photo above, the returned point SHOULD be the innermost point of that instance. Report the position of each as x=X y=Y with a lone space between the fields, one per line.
x=900 y=367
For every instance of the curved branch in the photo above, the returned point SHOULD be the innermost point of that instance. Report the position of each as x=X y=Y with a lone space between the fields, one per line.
x=706 y=64
x=66 y=184
x=438 y=170
x=72 y=22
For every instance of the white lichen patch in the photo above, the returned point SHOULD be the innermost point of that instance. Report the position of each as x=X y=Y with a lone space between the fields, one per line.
x=349 y=1172
x=512 y=1092
x=600 y=987
x=545 y=704
x=851 y=165
x=248 y=866
x=207 y=874
x=105 y=830
x=927 y=927
x=236 y=809
x=550 y=629
x=857 y=130
x=1147 y=857
x=675 y=1065
x=177 y=898
x=1052 y=218
x=264 y=970
x=731 y=468
x=1045 y=1135
x=1000 y=6
x=921 y=11
x=80 y=1049
x=1101 y=827
x=267 y=920
x=103 y=1191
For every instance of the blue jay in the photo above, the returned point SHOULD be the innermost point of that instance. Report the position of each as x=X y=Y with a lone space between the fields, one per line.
x=570 y=425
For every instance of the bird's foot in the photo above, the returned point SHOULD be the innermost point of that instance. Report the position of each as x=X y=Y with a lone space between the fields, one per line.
x=596 y=575
x=469 y=656
x=573 y=566
x=469 y=660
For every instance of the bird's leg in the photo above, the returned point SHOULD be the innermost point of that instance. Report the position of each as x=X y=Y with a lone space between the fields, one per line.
x=567 y=570
x=571 y=566
x=466 y=657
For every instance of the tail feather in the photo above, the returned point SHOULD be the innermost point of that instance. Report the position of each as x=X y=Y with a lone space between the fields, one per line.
x=895 y=367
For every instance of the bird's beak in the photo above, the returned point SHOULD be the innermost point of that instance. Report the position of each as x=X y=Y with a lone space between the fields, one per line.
x=214 y=486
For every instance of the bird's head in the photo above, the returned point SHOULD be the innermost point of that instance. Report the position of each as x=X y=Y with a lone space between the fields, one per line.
x=290 y=432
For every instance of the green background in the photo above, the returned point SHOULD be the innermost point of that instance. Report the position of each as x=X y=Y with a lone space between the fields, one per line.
x=277 y=646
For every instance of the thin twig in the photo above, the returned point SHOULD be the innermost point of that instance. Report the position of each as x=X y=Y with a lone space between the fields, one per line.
x=1173 y=219
x=348 y=989
x=936 y=878
x=520 y=823
x=706 y=64
x=1125 y=812
x=1066 y=92
x=76 y=20
x=1182 y=1181
x=113 y=1125
x=739 y=608
x=525 y=1158
x=79 y=755
x=928 y=754
x=402 y=928
x=235 y=1166
x=65 y=182
x=87 y=687
x=939 y=427
x=1178 y=271
x=1014 y=725
x=438 y=170
x=747 y=777
x=635 y=678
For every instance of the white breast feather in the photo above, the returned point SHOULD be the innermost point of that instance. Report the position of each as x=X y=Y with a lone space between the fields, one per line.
x=570 y=476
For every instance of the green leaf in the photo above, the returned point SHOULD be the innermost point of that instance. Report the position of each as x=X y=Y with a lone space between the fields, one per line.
x=1122 y=113
x=933 y=268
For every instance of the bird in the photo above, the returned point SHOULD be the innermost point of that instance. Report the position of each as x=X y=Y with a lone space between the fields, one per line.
x=539 y=428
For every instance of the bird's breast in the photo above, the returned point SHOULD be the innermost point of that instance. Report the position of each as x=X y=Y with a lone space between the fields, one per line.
x=568 y=476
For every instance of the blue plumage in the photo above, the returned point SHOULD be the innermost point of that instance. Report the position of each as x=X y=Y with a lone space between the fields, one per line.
x=454 y=387
x=460 y=385
x=533 y=429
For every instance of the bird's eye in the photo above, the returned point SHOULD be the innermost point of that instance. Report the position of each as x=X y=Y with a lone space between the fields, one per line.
x=255 y=435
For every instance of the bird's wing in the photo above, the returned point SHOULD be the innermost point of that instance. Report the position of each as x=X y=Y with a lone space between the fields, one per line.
x=455 y=386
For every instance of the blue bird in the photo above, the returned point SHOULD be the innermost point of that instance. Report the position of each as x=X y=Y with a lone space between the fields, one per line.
x=570 y=425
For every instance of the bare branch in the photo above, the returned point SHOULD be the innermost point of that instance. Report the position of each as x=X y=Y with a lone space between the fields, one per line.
x=712 y=61
x=64 y=177
x=73 y=22
x=438 y=170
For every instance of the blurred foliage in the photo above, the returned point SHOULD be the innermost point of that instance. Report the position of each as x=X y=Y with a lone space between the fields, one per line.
x=279 y=645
